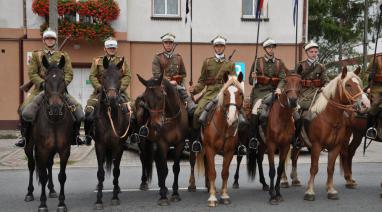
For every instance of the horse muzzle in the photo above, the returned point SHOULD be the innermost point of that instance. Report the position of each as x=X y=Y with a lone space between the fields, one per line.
x=292 y=102
x=56 y=110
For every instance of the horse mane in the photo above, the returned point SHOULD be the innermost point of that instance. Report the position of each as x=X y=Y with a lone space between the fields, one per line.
x=330 y=90
x=232 y=81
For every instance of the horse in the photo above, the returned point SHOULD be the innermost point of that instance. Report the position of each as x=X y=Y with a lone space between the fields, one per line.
x=112 y=126
x=329 y=128
x=167 y=124
x=51 y=132
x=220 y=135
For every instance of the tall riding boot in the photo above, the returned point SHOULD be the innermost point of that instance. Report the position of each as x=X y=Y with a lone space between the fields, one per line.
x=296 y=143
x=254 y=142
x=76 y=134
x=88 y=125
x=371 y=131
x=196 y=144
x=24 y=127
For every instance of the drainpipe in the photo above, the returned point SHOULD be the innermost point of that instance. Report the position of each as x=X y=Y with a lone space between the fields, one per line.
x=21 y=52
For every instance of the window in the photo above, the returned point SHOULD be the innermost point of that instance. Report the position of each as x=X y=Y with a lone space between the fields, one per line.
x=249 y=11
x=166 y=8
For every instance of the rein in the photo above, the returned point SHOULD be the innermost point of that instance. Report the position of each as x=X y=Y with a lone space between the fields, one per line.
x=112 y=123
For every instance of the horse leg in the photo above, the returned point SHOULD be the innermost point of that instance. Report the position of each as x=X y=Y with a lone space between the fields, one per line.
x=116 y=173
x=144 y=186
x=162 y=170
x=100 y=176
x=211 y=175
x=228 y=155
x=314 y=155
x=191 y=181
x=272 y=171
x=293 y=174
x=284 y=150
x=236 y=182
x=332 y=156
x=64 y=156
x=31 y=166
x=52 y=192
x=354 y=144
x=260 y=158
x=176 y=169
x=344 y=164
x=284 y=179
x=42 y=161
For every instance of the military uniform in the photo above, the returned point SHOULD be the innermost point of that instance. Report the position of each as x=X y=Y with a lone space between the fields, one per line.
x=171 y=64
x=313 y=77
x=95 y=78
x=376 y=89
x=211 y=78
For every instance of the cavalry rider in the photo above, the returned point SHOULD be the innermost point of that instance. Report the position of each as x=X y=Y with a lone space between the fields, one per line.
x=95 y=77
x=313 y=78
x=171 y=65
x=267 y=78
x=375 y=90
x=211 y=78
x=36 y=71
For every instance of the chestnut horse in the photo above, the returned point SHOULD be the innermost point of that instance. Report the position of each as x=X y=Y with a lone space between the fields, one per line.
x=329 y=128
x=220 y=136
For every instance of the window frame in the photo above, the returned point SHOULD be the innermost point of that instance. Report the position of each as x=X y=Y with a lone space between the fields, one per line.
x=252 y=17
x=165 y=16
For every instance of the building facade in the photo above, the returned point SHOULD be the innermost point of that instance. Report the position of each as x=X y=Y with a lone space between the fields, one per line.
x=138 y=30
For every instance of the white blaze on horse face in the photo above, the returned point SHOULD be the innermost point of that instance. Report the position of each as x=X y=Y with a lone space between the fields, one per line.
x=365 y=103
x=232 y=112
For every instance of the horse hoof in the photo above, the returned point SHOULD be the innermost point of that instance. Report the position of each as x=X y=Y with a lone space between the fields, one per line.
x=43 y=209
x=284 y=185
x=212 y=203
x=143 y=187
x=115 y=202
x=265 y=188
x=62 y=209
x=225 y=201
x=309 y=197
x=351 y=185
x=53 y=194
x=98 y=206
x=333 y=196
x=279 y=198
x=235 y=186
x=296 y=183
x=175 y=198
x=273 y=201
x=29 y=198
x=163 y=202
x=191 y=188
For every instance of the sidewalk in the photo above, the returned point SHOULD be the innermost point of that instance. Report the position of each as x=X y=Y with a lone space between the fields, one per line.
x=12 y=157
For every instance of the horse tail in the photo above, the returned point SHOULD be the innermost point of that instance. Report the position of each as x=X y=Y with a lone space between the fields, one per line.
x=109 y=161
x=200 y=167
x=251 y=164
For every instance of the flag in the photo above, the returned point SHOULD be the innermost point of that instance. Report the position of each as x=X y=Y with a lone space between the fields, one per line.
x=295 y=12
x=188 y=14
x=259 y=8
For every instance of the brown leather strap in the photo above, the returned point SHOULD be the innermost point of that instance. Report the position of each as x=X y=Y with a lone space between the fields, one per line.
x=278 y=67
x=261 y=64
x=163 y=63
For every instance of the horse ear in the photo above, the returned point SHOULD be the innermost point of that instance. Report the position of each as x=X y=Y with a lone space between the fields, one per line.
x=225 y=77
x=240 y=77
x=61 y=64
x=143 y=81
x=105 y=63
x=357 y=71
x=45 y=62
x=120 y=64
x=344 y=72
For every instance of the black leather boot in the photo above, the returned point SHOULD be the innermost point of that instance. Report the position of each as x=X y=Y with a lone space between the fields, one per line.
x=88 y=129
x=76 y=134
x=24 y=127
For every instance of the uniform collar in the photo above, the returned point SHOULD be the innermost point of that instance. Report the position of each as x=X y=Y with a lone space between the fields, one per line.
x=312 y=62
x=110 y=57
x=49 y=51
x=168 y=55
x=219 y=58
x=269 y=58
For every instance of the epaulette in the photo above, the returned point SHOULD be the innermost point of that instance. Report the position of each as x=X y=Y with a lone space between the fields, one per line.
x=97 y=59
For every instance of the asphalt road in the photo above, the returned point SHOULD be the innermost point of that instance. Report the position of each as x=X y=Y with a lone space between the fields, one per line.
x=81 y=182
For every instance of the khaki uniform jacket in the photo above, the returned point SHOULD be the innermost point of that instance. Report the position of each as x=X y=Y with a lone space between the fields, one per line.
x=172 y=66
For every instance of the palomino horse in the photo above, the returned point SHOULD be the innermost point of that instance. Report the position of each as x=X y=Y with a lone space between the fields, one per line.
x=52 y=131
x=168 y=126
x=112 y=126
x=220 y=135
x=329 y=128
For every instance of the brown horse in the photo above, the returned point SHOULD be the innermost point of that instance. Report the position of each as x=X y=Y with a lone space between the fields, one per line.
x=167 y=124
x=219 y=135
x=112 y=126
x=329 y=128
x=51 y=132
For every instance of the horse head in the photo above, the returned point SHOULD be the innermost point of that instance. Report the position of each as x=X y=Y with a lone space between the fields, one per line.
x=111 y=79
x=231 y=97
x=54 y=86
x=292 y=89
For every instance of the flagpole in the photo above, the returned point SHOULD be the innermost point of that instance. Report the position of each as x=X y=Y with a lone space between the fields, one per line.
x=191 y=44
x=258 y=9
x=296 y=49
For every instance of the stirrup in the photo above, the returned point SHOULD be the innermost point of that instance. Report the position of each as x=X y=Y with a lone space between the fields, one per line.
x=196 y=146
x=371 y=133
x=253 y=143
x=21 y=143
x=241 y=150
x=187 y=145
x=144 y=131
x=78 y=141
x=88 y=140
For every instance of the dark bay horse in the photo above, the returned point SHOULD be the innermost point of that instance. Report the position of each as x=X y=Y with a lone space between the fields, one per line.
x=167 y=122
x=52 y=131
x=112 y=126
x=329 y=128
x=220 y=136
